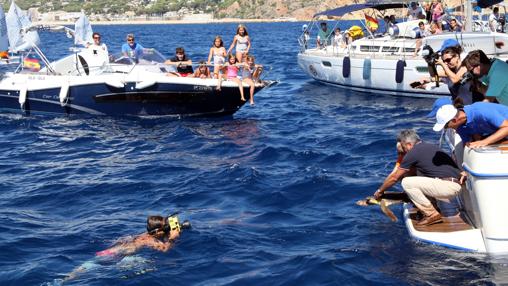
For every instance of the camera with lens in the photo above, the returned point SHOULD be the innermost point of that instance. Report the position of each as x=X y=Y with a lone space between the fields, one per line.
x=466 y=77
x=429 y=55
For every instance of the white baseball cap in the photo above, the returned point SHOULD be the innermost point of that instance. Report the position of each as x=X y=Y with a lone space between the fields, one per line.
x=444 y=114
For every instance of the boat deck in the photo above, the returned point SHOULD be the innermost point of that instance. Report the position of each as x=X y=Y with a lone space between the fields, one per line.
x=445 y=226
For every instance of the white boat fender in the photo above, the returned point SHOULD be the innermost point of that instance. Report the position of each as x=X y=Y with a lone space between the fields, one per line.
x=399 y=71
x=22 y=97
x=145 y=84
x=115 y=83
x=367 y=65
x=346 y=67
x=64 y=92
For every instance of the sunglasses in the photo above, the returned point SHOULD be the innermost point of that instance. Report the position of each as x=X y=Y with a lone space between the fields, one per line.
x=448 y=60
x=130 y=40
x=97 y=38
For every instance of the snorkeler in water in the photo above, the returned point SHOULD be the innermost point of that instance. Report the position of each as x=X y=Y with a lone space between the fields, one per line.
x=160 y=235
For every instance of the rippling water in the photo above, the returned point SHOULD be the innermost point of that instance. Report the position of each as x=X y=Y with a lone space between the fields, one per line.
x=270 y=192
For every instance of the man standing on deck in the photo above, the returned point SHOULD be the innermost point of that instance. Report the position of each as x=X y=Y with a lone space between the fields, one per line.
x=474 y=122
x=324 y=36
x=426 y=172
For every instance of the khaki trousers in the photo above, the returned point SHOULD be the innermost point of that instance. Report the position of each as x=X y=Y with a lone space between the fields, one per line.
x=419 y=189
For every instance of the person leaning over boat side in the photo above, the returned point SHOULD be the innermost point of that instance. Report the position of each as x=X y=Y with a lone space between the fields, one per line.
x=324 y=36
x=479 y=124
x=438 y=176
x=182 y=62
x=242 y=42
x=453 y=73
x=96 y=46
x=421 y=33
x=131 y=48
x=491 y=73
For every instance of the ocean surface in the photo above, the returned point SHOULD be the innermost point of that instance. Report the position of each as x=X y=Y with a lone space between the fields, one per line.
x=270 y=192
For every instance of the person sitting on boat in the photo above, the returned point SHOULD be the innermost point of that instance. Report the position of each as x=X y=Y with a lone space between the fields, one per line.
x=231 y=69
x=415 y=12
x=479 y=124
x=250 y=74
x=492 y=73
x=132 y=49
x=160 y=235
x=435 y=28
x=438 y=176
x=202 y=71
x=182 y=62
x=324 y=36
x=494 y=20
x=452 y=73
x=454 y=26
x=97 y=47
x=421 y=33
x=387 y=24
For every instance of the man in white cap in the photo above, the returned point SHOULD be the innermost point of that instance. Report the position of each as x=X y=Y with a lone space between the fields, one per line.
x=480 y=124
x=438 y=176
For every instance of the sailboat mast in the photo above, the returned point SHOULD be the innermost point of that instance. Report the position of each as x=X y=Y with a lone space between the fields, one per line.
x=468 y=9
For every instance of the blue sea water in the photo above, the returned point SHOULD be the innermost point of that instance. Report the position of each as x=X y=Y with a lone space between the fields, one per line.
x=270 y=192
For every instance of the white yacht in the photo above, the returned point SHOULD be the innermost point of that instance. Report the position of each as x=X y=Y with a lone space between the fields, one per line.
x=386 y=64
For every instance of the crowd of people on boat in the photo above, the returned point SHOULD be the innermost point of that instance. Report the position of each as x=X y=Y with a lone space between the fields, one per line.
x=477 y=111
x=238 y=66
x=431 y=16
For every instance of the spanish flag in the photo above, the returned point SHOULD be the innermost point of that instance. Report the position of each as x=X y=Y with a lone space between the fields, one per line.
x=31 y=64
x=371 y=23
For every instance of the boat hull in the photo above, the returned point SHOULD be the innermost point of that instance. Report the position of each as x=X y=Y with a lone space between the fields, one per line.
x=380 y=79
x=124 y=98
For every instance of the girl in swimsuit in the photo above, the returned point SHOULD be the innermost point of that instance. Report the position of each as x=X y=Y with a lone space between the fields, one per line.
x=230 y=72
x=160 y=236
x=218 y=53
x=242 y=42
x=250 y=74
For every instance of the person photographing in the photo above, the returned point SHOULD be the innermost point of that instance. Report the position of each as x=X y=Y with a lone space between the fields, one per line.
x=161 y=233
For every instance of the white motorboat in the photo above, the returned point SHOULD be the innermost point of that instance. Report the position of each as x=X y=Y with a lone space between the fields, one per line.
x=483 y=212
x=386 y=64
x=90 y=81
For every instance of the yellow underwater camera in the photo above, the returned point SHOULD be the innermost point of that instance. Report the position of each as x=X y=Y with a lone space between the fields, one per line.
x=174 y=224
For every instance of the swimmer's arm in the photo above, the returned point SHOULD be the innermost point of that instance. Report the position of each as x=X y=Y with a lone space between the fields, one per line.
x=161 y=246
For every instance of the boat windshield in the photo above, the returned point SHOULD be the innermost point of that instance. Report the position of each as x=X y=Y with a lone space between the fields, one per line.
x=149 y=56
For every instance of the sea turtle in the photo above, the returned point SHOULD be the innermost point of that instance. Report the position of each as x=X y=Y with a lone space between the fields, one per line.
x=386 y=200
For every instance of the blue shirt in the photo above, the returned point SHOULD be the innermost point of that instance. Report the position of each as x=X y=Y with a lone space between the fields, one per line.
x=497 y=81
x=134 y=51
x=483 y=118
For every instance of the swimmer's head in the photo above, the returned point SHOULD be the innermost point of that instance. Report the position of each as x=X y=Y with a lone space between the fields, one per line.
x=155 y=223
x=159 y=224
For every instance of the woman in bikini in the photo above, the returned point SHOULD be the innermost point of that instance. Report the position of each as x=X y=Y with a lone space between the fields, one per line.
x=242 y=42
